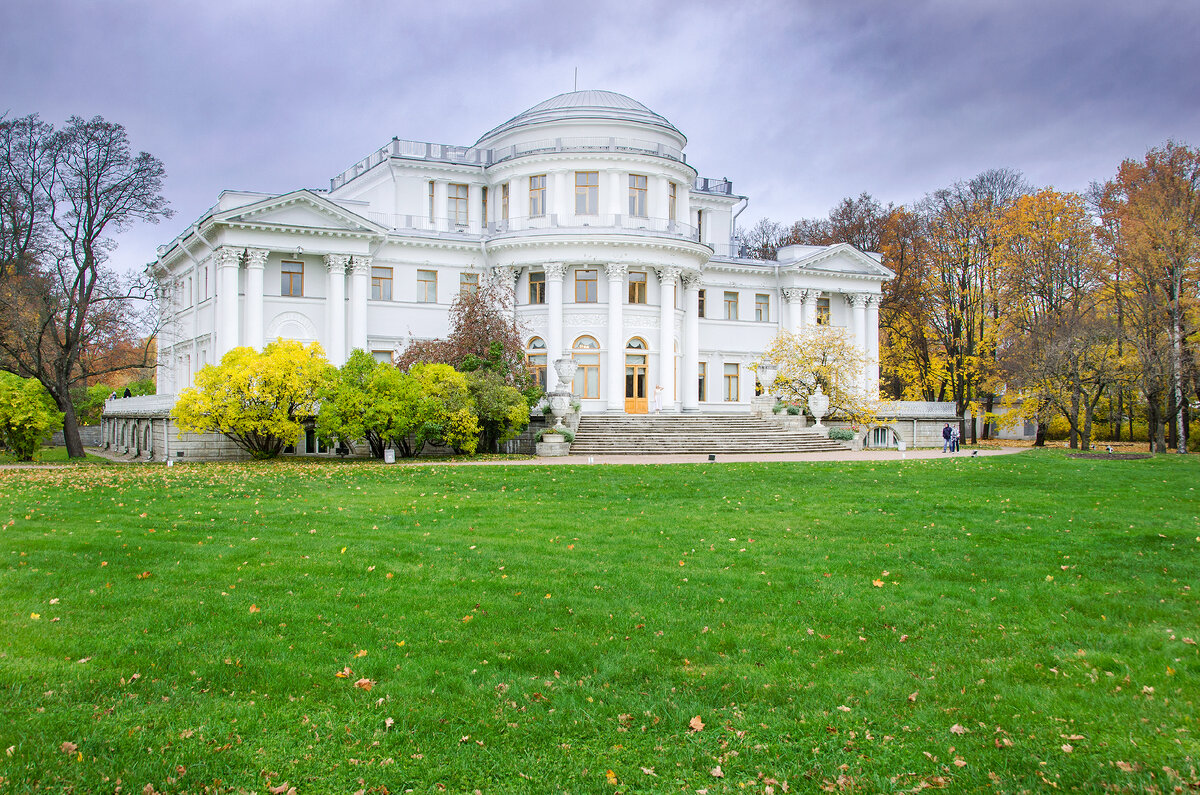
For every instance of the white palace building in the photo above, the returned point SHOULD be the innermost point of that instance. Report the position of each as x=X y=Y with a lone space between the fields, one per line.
x=620 y=255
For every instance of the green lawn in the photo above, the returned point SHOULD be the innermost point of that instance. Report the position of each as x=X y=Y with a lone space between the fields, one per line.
x=1008 y=623
x=50 y=455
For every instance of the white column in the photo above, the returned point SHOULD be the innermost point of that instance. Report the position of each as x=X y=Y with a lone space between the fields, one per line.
x=360 y=279
x=668 y=280
x=335 y=308
x=561 y=199
x=617 y=199
x=689 y=388
x=858 y=320
x=810 y=306
x=555 y=271
x=473 y=209
x=228 y=338
x=791 y=313
x=872 y=332
x=256 y=260
x=441 y=212
x=616 y=337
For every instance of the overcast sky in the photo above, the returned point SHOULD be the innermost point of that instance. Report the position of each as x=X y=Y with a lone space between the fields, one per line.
x=799 y=103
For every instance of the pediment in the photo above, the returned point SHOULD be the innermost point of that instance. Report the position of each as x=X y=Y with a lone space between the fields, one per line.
x=843 y=260
x=300 y=209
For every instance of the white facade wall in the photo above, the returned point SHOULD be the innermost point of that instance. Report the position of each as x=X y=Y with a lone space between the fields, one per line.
x=225 y=271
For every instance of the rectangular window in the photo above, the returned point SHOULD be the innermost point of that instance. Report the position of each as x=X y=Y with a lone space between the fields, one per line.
x=537 y=287
x=431 y=208
x=483 y=215
x=672 y=193
x=700 y=303
x=731 y=383
x=383 y=357
x=381 y=284
x=205 y=271
x=586 y=286
x=504 y=202
x=587 y=376
x=703 y=381
x=292 y=282
x=468 y=283
x=456 y=203
x=587 y=192
x=822 y=311
x=731 y=308
x=762 y=308
x=537 y=195
x=427 y=287
x=637 y=288
x=637 y=196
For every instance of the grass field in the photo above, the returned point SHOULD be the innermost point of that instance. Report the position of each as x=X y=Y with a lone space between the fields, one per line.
x=49 y=455
x=1022 y=622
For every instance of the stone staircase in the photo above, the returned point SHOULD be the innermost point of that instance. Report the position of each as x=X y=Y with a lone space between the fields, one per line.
x=692 y=434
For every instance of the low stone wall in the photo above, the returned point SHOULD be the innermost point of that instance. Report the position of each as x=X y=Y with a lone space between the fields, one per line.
x=88 y=434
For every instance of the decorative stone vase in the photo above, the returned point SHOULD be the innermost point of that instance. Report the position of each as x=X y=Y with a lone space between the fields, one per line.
x=565 y=368
x=818 y=405
x=766 y=373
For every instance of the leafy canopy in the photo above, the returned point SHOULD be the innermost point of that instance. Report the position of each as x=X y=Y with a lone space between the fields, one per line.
x=27 y=415
x=259 y=400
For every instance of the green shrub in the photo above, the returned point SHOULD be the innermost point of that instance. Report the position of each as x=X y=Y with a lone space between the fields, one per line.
x=793 y=410
x=566 y=434
x=841 y=434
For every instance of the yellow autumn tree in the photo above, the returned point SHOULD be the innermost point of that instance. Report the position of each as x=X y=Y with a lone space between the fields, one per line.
x=823 y=356
x=259 y=400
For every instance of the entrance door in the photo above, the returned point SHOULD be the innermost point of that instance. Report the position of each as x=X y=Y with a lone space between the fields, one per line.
x=635 y=383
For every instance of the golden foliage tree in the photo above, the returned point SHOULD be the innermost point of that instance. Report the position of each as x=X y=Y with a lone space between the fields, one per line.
x=824 y=356
x=261 y=401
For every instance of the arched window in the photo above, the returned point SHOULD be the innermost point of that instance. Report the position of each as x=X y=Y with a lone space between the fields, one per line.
x=535 y=359
x=586 y=355
x=637 y=343
x=146 y=446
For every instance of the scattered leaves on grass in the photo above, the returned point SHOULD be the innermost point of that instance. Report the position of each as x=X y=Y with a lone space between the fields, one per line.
x=344 y=673
x=360 y=653
x=912 y=697
x=145 y=575
x=68 y=747
x=365 y=684
x=958 y=729
x=695 y=724
x=877 y=583
x=649 y=771
x=255 y=609
x=717 y=772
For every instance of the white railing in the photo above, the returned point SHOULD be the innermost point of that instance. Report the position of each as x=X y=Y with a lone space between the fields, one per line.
x=467 y=155
x=594 y=223
x=916 y=409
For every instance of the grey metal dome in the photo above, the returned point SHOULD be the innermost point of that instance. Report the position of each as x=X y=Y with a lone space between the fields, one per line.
x=590 y=105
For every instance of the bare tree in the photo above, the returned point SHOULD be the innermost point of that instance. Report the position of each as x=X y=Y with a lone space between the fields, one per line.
x=63 y=194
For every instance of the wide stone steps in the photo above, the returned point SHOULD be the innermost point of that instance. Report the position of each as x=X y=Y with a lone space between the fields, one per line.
x=690 y=434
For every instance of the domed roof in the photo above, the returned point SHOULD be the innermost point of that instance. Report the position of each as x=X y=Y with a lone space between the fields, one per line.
x=593 y=105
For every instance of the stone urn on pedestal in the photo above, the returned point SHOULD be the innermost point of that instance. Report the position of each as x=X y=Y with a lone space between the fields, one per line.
x=554 y=439
x=818 y=405
x=762 y=404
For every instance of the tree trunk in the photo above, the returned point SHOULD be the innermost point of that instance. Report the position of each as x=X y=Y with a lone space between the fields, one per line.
x=1120 y=413
x=1039 y=438
x=1074 y=419
x=70 y=423
x=1172 y=427
x=1085 y=442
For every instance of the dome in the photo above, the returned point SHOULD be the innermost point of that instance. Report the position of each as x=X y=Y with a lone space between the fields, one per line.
x=585 y=105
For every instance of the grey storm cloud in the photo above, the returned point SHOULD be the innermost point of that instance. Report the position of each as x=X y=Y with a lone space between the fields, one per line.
x=799 y=102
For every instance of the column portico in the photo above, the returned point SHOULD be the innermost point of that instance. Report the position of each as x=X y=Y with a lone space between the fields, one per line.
x=359 y=280
x=668 y=279
x=335 y=308
x=228 y=338
x=616 y=337
x=689 y=389
x=256 y=260
x=555 y=271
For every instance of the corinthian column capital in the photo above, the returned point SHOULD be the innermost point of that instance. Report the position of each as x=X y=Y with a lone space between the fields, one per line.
x=228 y=257
x=616 y=270
x=256 y=257
x=555 y=270
x=336 y=263
x=360 y=264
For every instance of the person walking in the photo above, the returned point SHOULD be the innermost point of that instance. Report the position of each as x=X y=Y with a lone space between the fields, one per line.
x=946 y=438
x=954 y=436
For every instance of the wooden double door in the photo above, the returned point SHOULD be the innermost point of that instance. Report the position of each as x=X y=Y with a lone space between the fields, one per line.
x=635 y=384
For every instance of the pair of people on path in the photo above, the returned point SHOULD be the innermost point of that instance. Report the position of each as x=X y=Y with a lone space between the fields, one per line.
x=949 y=439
